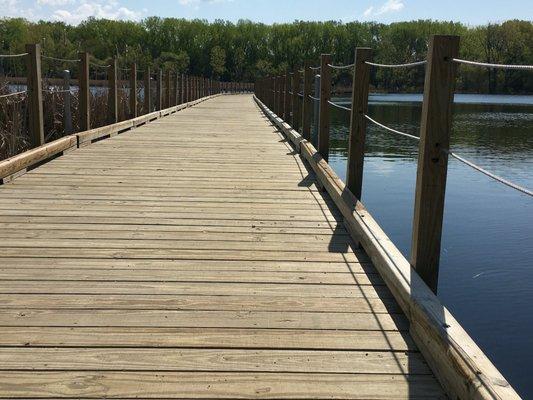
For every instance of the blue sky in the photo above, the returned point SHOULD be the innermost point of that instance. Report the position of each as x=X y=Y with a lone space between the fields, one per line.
x=472 y=12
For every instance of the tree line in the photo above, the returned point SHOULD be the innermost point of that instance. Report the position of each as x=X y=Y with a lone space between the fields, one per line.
x=245 y=51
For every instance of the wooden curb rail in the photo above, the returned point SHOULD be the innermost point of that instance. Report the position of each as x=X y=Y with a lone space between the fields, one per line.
x=17 y=165
x=462 y=368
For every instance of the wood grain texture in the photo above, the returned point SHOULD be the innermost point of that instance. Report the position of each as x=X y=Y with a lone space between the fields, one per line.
x=192 y=257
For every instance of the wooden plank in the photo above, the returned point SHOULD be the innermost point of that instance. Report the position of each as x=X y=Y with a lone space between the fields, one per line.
x=197 y=319
x=154 y=275
x=216 y=385
x=188 y=265
x=205 y=338
x=197 y=302
x=287 y=290
x=227 y=360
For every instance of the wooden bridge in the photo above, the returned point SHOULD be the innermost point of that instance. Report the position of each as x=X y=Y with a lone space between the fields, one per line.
x=210 y=254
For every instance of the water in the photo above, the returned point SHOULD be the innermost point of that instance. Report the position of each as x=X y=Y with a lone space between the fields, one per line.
x=486 y=273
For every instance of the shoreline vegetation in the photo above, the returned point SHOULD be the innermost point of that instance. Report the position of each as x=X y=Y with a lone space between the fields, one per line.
x=245 y=51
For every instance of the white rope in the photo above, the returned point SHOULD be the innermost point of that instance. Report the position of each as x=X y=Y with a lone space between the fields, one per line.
x=339 y=106
x=502 y=66
x=413 y=64
x=301 y=94
x=313 y=98
x=59 y=59
x=60 y=91
x=100 y=66
x=341 y=66
x=13 y=55
x=490 y=174
x=12 y=94
x=314 y=68
x=464 y=161
x=390 y=129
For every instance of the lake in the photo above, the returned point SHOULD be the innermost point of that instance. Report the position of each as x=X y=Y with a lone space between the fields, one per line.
x=486 y=273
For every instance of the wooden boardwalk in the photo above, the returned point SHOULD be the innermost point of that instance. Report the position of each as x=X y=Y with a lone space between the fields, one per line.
x=193 y=257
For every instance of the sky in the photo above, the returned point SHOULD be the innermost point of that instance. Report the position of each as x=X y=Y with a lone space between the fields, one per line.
x=471 y=12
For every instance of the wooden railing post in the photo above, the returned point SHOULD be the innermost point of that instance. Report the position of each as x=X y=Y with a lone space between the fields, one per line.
x=435 y=128
x=35 y=95
x=148 y=91
x=112 y=102
x=325 y=96
x=281 y=95
x=133 y=90
x=175 y=96
x=159 y=99
x=357 y=137
x=274 y=94
x=287 y=97
x=183 y=95
x=296 y=117
x=85 y=94
x=307 y=101
x=168 y=91
x=67 y=113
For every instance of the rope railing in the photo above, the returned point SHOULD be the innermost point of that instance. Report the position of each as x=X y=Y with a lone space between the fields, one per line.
x=301 y=95
x=60 y=59
x=52 y=91
x=339 y=106
x=489 y=174
x=461 y=159
x=13 y=55
x=314 y=98
x=349 y=66
x=387 y=128
x=489 y=65
x=3 y=96
x=314 y=68
x=99 y=65
x=406 y=65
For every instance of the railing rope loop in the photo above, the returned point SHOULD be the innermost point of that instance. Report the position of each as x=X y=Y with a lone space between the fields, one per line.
x=489 y=65
x=406 y=65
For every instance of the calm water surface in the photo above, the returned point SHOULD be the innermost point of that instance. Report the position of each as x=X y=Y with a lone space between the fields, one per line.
x=486 y=274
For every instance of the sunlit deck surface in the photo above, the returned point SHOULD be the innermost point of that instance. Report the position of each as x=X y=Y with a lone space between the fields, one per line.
x=193 y=257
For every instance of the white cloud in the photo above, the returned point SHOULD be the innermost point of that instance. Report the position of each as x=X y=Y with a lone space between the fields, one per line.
x=85 y=9
x=54 y=3
x=10 y=8
x=197 y=2
x=390 y=6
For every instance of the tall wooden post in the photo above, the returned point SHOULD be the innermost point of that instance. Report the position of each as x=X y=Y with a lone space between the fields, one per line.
x=435 y=128
x=67 y=114
x=133 y=90
x=112 y=102
x=159 y=99
x=176 y=92
x=168 y=91
x=307 y=105
x=148 y=91
x=357 y=137
x=35 y=95
x=183 y=95
x=281 y=96
x=323 y=111
x=287 y=97
x=85 y=94
x=274 y=94
x=296 y=117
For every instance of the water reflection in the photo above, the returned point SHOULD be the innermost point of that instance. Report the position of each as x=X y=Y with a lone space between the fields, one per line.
x=487 y=247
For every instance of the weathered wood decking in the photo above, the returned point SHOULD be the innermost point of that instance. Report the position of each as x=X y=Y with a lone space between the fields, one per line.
x=193 y=257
